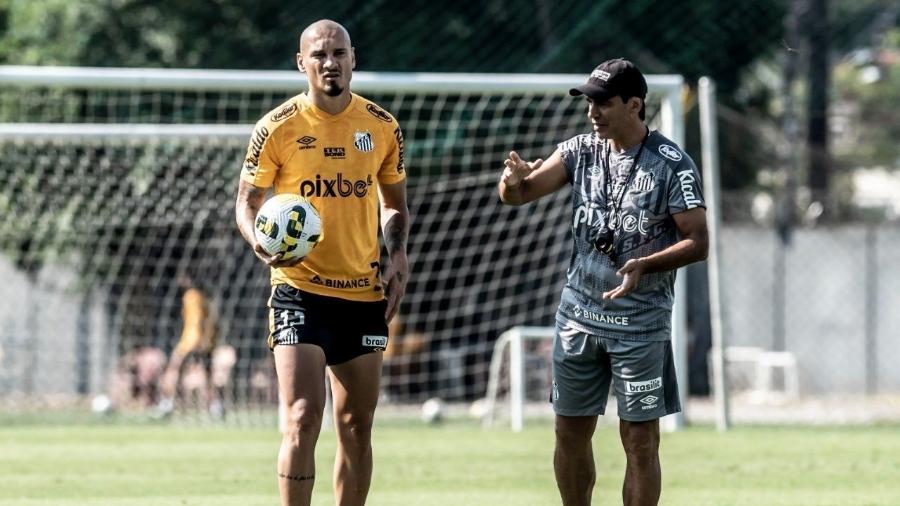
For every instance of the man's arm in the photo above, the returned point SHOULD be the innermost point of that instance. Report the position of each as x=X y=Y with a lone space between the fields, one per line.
x=395 y=229
x=522 y=182
x=249 y=199
x=693 y=247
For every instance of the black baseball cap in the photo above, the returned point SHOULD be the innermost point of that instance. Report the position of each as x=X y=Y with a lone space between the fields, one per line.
x=612 y=78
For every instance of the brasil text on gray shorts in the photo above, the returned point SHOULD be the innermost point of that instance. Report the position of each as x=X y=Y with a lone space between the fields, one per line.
x=642 y=373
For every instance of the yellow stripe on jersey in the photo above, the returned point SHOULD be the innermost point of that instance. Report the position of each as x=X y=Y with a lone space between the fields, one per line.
x=336 y=161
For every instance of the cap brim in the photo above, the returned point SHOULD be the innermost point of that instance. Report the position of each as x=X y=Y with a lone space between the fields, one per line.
x=591 y=90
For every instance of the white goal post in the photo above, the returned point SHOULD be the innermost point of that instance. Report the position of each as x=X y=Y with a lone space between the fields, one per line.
x=457 y=127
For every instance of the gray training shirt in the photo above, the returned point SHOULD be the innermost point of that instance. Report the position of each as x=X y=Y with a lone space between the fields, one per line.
x=665 y=182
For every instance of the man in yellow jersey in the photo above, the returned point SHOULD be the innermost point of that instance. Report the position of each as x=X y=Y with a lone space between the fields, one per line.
x=198 y=339
x=345 y=154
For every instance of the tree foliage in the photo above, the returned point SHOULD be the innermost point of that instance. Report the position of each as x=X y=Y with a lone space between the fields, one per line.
x=702 y=38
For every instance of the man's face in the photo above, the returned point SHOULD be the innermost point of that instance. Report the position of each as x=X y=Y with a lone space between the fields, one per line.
x=611 y=117
x=328 y=61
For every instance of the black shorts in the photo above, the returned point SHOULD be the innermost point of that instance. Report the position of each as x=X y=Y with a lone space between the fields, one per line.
x=344 y=329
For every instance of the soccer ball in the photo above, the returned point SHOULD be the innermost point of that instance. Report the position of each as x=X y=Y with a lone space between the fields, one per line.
x=101 y=405
x=288 y=223
x=432 y=410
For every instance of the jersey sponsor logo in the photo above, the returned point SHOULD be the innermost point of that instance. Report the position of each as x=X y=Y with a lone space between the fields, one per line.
x=335 y=153
x=286 y=112
x=374 y=341
x=587 y=314
x=400 y=165
x=630 y=223
x=337 y=187
x=634 y=387
x=586 y=216
x=670 y=152
x=362 y=141
x=342 y=284
x=306 y=142
x=378 y=113
x=257 y=141
x=689 y=188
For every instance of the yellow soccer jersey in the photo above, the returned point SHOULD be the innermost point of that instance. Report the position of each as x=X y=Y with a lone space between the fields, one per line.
x=198 y=332
x=336 y=161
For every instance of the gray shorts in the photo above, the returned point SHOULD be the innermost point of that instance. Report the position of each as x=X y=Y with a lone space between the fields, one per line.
x=642 y=372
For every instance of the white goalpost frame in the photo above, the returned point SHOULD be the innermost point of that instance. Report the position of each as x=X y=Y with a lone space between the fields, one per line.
x=668 y=87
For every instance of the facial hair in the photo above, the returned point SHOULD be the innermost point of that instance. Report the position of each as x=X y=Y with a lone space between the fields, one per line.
x=333 y=90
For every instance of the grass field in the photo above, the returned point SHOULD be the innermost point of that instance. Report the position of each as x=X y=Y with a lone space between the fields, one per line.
x=453 y=464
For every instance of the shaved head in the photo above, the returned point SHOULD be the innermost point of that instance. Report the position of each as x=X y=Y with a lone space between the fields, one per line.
x=323 y=28
x=326 y=57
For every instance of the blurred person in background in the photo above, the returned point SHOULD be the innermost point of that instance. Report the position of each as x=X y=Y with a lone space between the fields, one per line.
x=331 y=307
x=135 y=380
x=190 y=367
x=638 y=215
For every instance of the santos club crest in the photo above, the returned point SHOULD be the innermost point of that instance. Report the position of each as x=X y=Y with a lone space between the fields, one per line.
x=363 y=141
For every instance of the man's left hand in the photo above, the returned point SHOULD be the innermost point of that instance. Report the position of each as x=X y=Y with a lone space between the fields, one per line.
x=631 y=273
x=395 y=283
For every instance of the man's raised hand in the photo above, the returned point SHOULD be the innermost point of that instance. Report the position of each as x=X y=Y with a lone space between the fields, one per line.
x=517 y=169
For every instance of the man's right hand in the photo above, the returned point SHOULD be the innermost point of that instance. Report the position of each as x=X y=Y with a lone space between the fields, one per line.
x=274 y=261
x=517 y=169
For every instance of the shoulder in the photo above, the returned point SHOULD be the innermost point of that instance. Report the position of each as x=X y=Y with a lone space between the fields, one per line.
x=374 y=112
x=282 y=114
x=667 y=152
x=580 y=142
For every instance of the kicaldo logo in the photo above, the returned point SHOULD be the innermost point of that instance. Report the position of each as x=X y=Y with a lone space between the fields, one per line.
x=337 y=187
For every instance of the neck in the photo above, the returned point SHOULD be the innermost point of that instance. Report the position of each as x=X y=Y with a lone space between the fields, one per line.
x=630 y=138
x=329 y=104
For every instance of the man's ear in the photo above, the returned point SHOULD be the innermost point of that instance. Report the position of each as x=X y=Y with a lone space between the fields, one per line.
x=352 y=58
x=300 y=66
x=635 y=104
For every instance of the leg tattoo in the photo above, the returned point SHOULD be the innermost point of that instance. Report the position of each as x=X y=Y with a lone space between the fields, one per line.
x=296 y=478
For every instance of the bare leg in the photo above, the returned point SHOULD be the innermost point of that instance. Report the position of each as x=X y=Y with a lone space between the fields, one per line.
x=643 y=477
x=573 y=459
x=354 y=390
x=168 y=386
x=301 y=382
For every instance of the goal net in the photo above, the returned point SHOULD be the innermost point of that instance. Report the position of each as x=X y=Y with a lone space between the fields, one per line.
x=116 y=182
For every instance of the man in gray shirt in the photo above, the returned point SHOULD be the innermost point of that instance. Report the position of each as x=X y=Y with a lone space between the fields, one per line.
x=638 y=214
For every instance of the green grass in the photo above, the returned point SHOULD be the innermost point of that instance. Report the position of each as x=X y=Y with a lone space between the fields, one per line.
x=455 y=464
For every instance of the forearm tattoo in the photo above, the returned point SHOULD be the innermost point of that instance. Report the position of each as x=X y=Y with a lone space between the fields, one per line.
x=296 y=478
x=395 y=233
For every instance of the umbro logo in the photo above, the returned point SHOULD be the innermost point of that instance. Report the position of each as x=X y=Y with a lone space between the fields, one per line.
x=306 y=142
x=650 y=399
